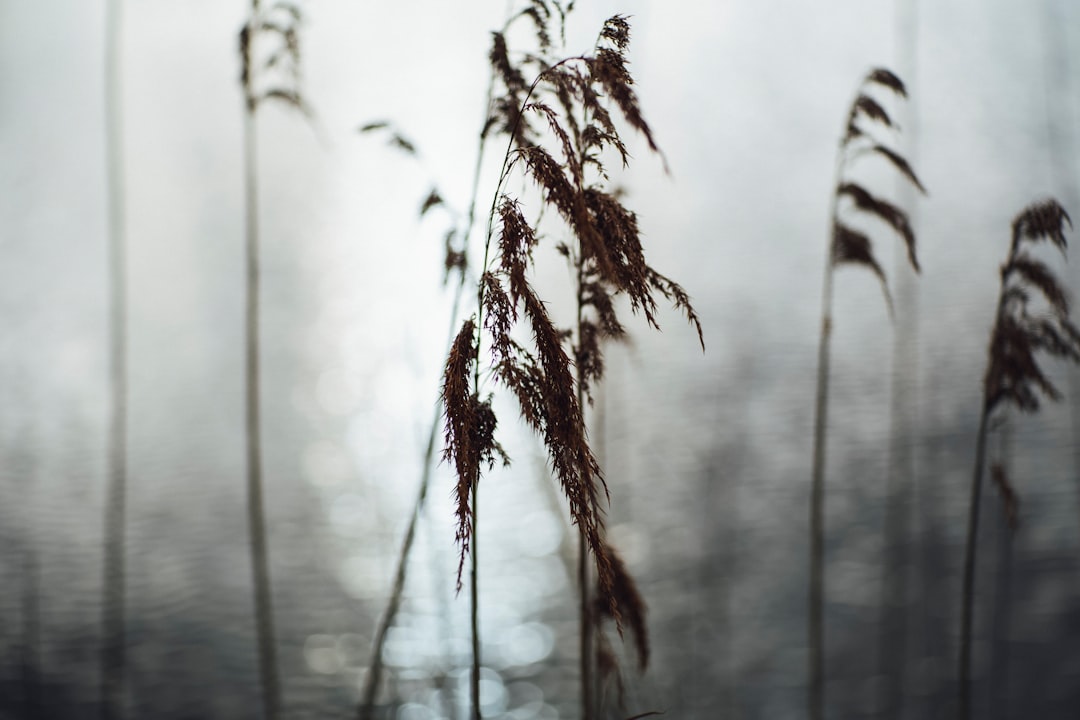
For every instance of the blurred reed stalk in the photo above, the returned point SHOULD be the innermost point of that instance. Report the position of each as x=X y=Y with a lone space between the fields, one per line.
x=900 y=471
x=113 y=640
x=1013 y=376
x=585 y=595
x=847 y=245
x=256 y=512
x=1003 y=581
x=279 y=22
x=457 y=244
x=455 y=260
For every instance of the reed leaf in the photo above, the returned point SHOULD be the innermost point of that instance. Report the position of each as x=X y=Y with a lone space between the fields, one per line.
x=900 y=164
x=886 y=211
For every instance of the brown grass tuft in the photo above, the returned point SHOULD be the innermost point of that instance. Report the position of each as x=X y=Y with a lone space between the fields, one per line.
x=470 y=431
x=564 y=156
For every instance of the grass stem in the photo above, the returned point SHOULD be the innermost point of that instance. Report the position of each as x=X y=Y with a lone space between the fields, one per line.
x=113 y=643
x=256 y=512
x=816 y=629
x=474 y=611
x=968 y=598
x=374 y=676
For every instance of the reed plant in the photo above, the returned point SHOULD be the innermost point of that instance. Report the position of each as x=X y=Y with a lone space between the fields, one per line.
x=899 y=477
x=562 y=133
x=456 y=243
x=270 y=71
x=455 y=262
x=455 y=266
x=866 y=121
x=113 y=623
x=1032 y=317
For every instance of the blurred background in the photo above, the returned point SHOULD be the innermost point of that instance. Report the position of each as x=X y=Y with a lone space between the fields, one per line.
x=708 y=455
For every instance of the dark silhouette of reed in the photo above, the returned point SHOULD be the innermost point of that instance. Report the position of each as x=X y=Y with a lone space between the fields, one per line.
x=260 y=80
x=847 y=246
x=900 y=480
x=113 y=625
x=1014 y=377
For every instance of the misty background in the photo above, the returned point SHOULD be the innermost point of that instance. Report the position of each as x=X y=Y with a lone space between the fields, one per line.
x=707 y=454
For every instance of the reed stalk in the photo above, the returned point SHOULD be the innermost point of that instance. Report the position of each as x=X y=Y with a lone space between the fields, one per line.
x=1013 y=377
x=256 y=510
x=900 y=472
x=113 y=645
x=565 y=99
x=585 y=613
x=846 y=246
x=1003 y=580
x=455 y=259
x=279 y=21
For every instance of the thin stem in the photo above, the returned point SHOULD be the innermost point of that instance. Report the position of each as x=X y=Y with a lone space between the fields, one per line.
x=588 y=626
x=587 y=701
x=1002 y=619
x=893 y=605
x=815 y=625
x=900 y=477
x=817 y=521
x=474 y=612
x=113 y=660
x=967 y=609
x=584 y=589
x=260 y=562
x=505 y=171
x=374 y=675
x=475 y=621
x=371 y=683
x=474 y=590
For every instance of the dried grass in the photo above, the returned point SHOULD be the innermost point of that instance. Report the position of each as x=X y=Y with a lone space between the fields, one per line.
x=550 y=373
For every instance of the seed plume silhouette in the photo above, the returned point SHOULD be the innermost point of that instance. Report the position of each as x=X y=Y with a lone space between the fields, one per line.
x=1015 y=378
x=867 y=119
